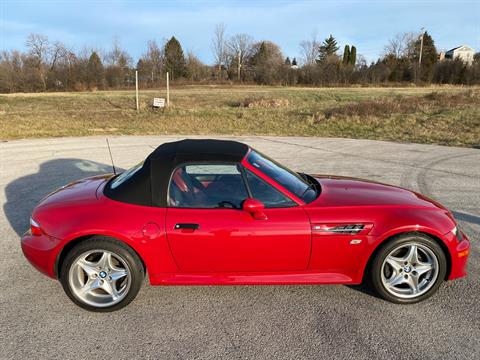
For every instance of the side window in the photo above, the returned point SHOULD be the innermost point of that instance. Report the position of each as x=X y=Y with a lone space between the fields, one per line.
x=207 y=186
x=267 y=194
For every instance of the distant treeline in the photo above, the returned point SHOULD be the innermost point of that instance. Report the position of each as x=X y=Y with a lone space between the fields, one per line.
x=52 y=66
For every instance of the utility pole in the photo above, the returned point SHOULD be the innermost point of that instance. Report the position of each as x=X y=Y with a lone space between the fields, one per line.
x=168 y=90
x=420 y=55
x=421 y=49
x=136 y=88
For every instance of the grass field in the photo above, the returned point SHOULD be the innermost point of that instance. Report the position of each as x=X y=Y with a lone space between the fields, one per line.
x=449 y=115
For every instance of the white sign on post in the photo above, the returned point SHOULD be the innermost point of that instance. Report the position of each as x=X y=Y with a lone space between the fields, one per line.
x=158 y=102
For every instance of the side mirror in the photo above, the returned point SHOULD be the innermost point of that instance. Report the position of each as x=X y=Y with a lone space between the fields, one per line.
x=254 y=208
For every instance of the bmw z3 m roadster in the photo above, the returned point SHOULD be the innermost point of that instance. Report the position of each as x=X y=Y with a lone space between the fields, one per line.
x=203 y=212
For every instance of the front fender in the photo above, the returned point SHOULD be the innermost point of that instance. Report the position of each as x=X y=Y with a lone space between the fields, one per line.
x=435 y=223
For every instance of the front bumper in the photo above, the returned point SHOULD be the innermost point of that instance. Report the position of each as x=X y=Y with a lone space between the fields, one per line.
x=41 y=251
x=459 y=257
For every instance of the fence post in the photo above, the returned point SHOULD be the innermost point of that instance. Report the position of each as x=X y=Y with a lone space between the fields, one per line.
x=136 y=89
x=168 y=90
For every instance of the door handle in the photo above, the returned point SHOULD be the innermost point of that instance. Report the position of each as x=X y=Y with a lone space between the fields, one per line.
x=188 y=226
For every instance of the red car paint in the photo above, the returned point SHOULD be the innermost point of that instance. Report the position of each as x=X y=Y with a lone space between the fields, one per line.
x=286 y=246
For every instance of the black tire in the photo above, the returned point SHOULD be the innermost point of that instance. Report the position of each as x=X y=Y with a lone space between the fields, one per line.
x=375 y=272
x=119 y=249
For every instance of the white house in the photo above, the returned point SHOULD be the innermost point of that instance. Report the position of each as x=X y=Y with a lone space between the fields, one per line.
x=464 y=53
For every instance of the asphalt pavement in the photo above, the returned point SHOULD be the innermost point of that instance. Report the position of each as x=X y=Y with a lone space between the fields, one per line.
x=38 y=321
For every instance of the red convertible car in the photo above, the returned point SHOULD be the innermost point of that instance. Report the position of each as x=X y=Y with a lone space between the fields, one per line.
x=202 y=212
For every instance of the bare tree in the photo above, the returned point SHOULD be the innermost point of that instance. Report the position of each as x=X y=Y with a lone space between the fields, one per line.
x=219 y=47
x=11 y=71
x=197 y=70
x=119 y=63
x=155 y=56
x=39 y=48
x=117 y=56
x=239 y=47
x=361 y=62
x=57 y=52
x=309 y=50
x=402 y=45
x=150 y=64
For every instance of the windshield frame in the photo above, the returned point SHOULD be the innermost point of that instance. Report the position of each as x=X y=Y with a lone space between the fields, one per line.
x=306 y=190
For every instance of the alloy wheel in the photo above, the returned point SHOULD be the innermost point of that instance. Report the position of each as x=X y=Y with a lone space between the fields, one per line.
x=99 y=278
x=409 y=270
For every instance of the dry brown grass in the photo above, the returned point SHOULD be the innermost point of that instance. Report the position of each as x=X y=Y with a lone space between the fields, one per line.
x=383 y=107
x=448 y=115
x=264 y=103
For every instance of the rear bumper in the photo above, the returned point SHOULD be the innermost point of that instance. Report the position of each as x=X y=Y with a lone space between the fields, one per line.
x=41 y=251
x=459 y=256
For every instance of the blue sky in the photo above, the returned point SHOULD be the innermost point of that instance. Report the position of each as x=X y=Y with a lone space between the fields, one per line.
x=366 y=24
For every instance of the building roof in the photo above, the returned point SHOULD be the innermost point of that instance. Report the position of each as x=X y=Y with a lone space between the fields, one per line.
x=458 y=47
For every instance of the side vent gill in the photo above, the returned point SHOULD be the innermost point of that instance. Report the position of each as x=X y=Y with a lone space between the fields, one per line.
x=341 y=229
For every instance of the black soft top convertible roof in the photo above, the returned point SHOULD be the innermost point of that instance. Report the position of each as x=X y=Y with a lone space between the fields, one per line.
x=149 y=185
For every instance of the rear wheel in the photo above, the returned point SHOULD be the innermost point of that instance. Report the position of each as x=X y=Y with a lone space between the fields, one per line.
x=408 y=269
x=102 y=274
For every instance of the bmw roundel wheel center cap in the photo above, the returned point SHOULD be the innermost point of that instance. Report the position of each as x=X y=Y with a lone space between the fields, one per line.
x=103 y=274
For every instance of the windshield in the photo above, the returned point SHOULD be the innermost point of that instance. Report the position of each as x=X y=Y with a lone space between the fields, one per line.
x=120 y=179
x=290 y=180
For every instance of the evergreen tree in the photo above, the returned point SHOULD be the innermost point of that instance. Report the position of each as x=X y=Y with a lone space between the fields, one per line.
x=143 y=68
x=261 y=56
x=294 y=62
x=175 y=62
x=266 y=63
x=429 y=56
x=259 y=63
x=352 y=58
x=288 y=62
x=346 y=55
x=95 y=71
x=328 y=48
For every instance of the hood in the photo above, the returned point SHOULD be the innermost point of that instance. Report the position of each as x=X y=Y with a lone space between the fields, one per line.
x=76 y=192
x=346 y=191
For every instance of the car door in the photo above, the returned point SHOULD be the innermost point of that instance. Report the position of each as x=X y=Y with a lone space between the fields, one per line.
x=208 y=231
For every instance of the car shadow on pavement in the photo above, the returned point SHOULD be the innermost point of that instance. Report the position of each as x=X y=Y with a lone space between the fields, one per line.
x=23 y=194
x=472 y=219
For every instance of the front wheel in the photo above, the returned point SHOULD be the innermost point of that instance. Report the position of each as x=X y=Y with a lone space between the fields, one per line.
x=102 y=274
x=408 y=269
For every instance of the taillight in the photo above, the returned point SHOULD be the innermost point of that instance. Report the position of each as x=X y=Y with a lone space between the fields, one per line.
x=35 y=228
